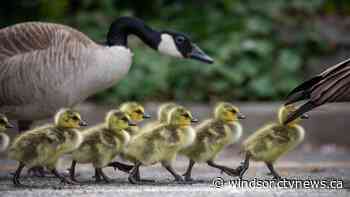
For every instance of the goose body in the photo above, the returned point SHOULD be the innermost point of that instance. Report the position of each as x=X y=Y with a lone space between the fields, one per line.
x=45 y=63
x=46 y=66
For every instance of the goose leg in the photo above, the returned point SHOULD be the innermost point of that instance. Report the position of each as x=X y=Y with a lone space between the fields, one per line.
x=167 y=166
x=243 y=167
x=62 y=178
x=273 y=171
x=227 y=170
x=188 y=172
x=121 y=166
x=17 y=175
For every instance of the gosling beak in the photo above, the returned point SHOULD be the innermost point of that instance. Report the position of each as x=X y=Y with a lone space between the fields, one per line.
x=198 y=54
x=194 y=120
x=82 y=123
x=131 y=123
x=146 y=116
x=241 y=116
x=304 y=116
x=9 y=125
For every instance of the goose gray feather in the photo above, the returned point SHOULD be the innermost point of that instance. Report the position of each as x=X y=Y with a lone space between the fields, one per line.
x=45 y=66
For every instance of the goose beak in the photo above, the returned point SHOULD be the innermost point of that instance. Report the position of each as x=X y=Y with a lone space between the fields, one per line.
x=194 y=120
x=199 y=55
x=241 y=116
x=304 y=116
x=146 y=116
x=9 y=125
x=131 y=124
x=83 y=123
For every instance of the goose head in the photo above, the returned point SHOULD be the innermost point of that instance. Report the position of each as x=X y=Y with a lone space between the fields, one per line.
x=69 y=118
x=163 y=111
x=167 y=42
x=227 y=112
x=135 y=111
x=118 y=120
x=4 y=123
x=285 y=111
x=180 y=117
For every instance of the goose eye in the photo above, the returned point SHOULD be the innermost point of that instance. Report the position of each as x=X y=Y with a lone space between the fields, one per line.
x=180 y=39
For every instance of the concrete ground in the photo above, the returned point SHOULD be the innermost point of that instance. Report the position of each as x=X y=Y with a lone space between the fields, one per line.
x=324 y=155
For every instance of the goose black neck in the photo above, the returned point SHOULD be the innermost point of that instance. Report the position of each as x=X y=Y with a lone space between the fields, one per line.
x=125 y=26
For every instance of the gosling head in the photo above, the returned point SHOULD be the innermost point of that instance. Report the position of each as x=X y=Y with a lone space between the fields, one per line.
x=118 y=120
x=69 y=118
x=4 y=123
x=163 y=111
x=135 y=111
x=283 y=114
x=180 y=117
x=227 y=112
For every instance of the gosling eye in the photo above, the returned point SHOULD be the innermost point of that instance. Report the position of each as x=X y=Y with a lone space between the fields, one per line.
x=186 y=115
x=75 y=118
x=179 y=39
x=125 y=119
x=139 y=111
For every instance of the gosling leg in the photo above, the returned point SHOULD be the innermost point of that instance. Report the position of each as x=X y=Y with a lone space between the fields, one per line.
x=241 y=170
x=17 y=175
x=121 y=166
x=273 y=171
x=167 y=166
x=100 y=174
x=62 y=178
x=72 y=171
x=227 y=170
x=188 y=172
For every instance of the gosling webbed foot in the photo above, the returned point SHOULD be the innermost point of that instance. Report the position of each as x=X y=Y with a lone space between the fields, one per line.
x=63 y=179
x=121 y=166
x=100 y=174
x=37 y=171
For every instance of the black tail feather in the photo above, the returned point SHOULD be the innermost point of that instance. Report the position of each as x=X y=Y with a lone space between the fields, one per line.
x=300 y=111
x=302 y=91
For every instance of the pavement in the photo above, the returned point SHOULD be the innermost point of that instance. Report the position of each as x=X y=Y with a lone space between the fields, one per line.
x=323 y=156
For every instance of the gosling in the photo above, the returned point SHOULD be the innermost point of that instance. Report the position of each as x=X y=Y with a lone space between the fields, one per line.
x=212 y=136
x=4 y=138
x=272 y=141
x=162 y=143
x=102 y=143
x=43 y=146
x=162 y=115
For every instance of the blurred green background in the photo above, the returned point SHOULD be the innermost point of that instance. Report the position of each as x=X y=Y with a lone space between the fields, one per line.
x=262 y=48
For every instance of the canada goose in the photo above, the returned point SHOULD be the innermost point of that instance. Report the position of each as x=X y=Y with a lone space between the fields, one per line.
x=4 y=139
x=102 y=143
x=212 y=136
x=43 y=146
x=272 y=141
x=330 y=86
x=161 y=143
x=47 y=66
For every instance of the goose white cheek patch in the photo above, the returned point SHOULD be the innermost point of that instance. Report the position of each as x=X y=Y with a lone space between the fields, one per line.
x=167 y=46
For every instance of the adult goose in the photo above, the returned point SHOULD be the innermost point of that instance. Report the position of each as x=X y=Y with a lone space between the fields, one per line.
x=46 y=66
x=332 y=85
